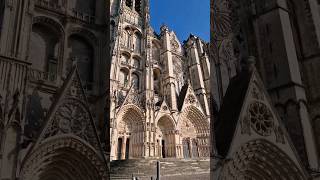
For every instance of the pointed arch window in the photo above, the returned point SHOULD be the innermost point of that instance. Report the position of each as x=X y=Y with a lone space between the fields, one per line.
x=125 y=39
x=137 y=6
x=123 y=77
x=125 y=59
x=137 y=42
x=156 y=81
x=136 y=63
x=135 y=81
x=44 y=52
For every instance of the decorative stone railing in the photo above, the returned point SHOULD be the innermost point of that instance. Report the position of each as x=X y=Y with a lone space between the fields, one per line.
x=83 y=16
x=125 y=63
x=37 y=75
x=132 y=17
x=51 y=5
x=126 y=47
x=13 y=74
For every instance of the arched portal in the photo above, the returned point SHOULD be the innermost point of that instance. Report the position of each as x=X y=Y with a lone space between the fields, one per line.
x=195 y=131
x=166 y=137
x=65 y=157
x=261 y=160
x=131 y=132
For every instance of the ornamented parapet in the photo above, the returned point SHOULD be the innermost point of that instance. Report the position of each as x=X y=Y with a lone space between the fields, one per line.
x=51 y=5
x=36 y=75
x=13 y=78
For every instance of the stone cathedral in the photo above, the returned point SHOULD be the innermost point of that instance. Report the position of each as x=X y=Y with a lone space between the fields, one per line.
x=265 y=86
x=160 y=88
x=52 y=73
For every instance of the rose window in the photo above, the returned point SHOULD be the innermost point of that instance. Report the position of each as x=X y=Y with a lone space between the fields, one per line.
x=261 y=118
x=191 y=99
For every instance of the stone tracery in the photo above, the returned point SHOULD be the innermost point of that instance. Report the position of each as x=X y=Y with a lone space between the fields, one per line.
x=65 y=156
x=260 y=159
x=261 y=118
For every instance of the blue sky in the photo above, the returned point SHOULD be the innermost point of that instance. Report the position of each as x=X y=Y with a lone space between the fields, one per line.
x=182 y=16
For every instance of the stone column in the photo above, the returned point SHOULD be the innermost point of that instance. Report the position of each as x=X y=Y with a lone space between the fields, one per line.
x=169 y=78
x=195 y=68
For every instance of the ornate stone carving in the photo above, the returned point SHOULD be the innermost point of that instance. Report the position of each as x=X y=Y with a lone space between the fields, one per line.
x=245 y=125
x=191 y=99
x=72 y=117
x=256 y=93
x=174 y=44
x=261 y=118
x=279 y=135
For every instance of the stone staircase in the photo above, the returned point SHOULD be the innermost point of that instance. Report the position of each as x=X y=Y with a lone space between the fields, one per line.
x=171 y=169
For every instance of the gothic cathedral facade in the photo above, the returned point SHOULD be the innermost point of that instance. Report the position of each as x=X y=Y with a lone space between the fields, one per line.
x=52 y=59
x=265 y=59
x=160 y=88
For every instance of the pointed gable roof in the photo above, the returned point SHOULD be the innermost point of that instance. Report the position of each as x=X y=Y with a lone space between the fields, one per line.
x=70 y=114
x=182 y=95
x=247 y=114
x=230 y=110
x=188 y=97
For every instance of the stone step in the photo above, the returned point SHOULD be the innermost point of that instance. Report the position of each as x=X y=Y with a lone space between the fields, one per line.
x=170 y=168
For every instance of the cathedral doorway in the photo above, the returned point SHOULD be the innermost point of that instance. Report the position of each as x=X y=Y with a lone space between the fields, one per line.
x=65 y=157
x=119 y=152
x=163 y=149
x=186 y=148
x=131 y=127
x=127 y=148
x=195 y=131
x=166 y=137
x=195 y=152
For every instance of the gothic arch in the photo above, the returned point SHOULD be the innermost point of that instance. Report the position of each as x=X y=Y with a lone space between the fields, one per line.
x=126 y=108
x=259 y=160
x=195 y=132
x=130 y=133
x=165 y=137
x=64 y=157
x=46 y=47
x=169 y=122
x=86 y=34
x=51 y=23
x=197 y=118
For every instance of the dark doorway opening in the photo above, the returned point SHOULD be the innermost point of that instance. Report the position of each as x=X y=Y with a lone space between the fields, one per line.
x=163 y=149
x=127 y=148
x=195 y=152
x=119 y=148
x=186 y=148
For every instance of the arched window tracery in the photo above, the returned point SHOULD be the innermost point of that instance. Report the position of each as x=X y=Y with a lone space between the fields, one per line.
x=82 y=53
x=137 y=42
x=135 y=81
x=126 y=39
x=136 y=63
x=123 y=77
x=44 y=50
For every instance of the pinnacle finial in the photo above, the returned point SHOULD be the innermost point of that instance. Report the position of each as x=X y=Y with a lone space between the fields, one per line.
x=164 y=28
